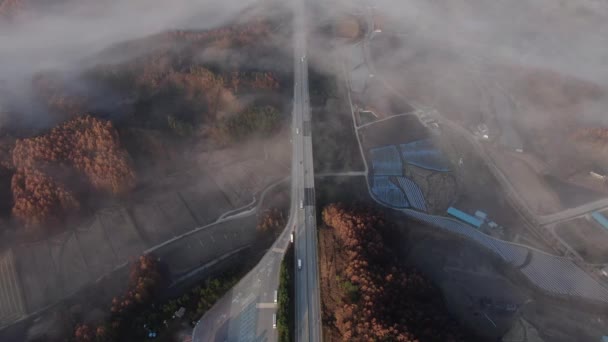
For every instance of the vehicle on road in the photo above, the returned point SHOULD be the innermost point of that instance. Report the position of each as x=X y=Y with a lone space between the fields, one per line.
x=297 y=130
x=275 y=295
x=299 y=264
x=274 y=320
x=301 y=204
x=291 y=236
x=303 y=58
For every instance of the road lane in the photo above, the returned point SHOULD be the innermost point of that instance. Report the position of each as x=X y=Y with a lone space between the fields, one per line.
x=246 y=311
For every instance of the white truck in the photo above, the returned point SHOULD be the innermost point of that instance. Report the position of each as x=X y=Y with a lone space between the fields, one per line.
x=299 y=264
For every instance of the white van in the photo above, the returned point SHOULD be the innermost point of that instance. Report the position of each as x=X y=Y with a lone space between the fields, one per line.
x=299 y=264
x=275 y=295
x=291 y=237
x=274 y=320
x=301 y=204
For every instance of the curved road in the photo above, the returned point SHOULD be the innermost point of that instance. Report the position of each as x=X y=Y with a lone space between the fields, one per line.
x=246 y=312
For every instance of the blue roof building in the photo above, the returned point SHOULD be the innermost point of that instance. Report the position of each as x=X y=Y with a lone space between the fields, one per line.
x=601 y=219
x=474 y=221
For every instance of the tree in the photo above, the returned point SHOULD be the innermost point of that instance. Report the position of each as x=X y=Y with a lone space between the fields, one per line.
x=256 y=120
x=270 y=220
x=50 y=165
x=180 y=127
x=381 y=300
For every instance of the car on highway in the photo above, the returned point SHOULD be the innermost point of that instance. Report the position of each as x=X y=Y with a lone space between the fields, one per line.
x=297 y=131
x=291 y=236
x=274 y=320
x=301 y=204
x=275 y=296
x=299 y=264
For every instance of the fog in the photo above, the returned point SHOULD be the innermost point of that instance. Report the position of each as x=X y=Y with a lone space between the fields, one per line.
x=568 y=36
x=62 y=36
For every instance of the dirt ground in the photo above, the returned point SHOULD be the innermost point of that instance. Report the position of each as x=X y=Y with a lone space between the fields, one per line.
x=587 y=238
x=439 y=188
x=532 y=188
x=560 y=323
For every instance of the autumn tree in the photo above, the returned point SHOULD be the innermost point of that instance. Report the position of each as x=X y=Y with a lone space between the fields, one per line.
x=38 y=199
x=382 y=301
x=144 y=280
x=271 y=220
x=84 y=333
x=48 y=165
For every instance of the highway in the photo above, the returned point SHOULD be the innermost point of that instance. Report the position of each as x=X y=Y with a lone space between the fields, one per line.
x=308 y=306
x=246 y=312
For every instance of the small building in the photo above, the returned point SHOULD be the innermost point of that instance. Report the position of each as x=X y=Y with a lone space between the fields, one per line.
x=481 y=215
x=474 y=221
x=601 y=219
x=180 y=313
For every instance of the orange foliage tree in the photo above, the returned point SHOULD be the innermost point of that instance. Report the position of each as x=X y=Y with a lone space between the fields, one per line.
x=144 y=280
x=84 y=146
x=271 y=220
x=38 y=199
x=382 y=302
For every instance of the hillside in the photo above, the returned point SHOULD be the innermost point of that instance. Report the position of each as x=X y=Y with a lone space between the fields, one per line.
x=145 y=107
x=366 y=294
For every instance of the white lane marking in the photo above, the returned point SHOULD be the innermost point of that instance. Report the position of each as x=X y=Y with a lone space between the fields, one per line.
x=266 y=305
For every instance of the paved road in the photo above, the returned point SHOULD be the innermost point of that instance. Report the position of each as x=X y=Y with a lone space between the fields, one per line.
x=568 y=214
x=246 y=313
x=308 y=306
